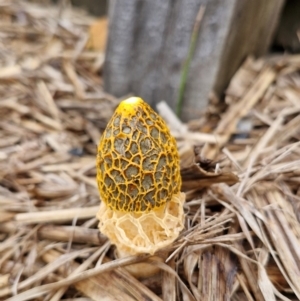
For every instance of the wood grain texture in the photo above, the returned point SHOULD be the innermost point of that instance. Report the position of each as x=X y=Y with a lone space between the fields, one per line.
x=149 y=43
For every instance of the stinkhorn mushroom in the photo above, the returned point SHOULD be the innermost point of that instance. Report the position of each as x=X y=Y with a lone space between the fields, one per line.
x=139 y=180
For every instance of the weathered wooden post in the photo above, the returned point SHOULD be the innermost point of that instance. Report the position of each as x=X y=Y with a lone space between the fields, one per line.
x=150 y=41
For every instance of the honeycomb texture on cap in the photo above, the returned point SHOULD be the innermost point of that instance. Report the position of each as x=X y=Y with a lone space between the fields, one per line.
x=137 y=161
x=135 y=233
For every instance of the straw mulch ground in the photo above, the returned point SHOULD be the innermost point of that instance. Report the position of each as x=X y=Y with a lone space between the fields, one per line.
x=241 y=241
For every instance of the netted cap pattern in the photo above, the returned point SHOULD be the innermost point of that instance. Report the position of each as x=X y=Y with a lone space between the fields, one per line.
x=147 y=232
x=137 y=161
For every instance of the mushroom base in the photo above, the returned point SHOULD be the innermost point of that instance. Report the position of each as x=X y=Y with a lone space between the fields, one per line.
x=137 y=233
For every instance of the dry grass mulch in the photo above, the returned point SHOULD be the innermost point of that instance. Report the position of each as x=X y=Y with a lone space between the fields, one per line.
x=241 y=240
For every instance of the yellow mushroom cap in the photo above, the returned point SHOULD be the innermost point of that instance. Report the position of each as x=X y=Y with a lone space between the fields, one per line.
x=137 y=162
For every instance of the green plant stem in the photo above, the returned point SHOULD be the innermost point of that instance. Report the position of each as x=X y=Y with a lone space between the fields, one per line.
x=186 y=66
